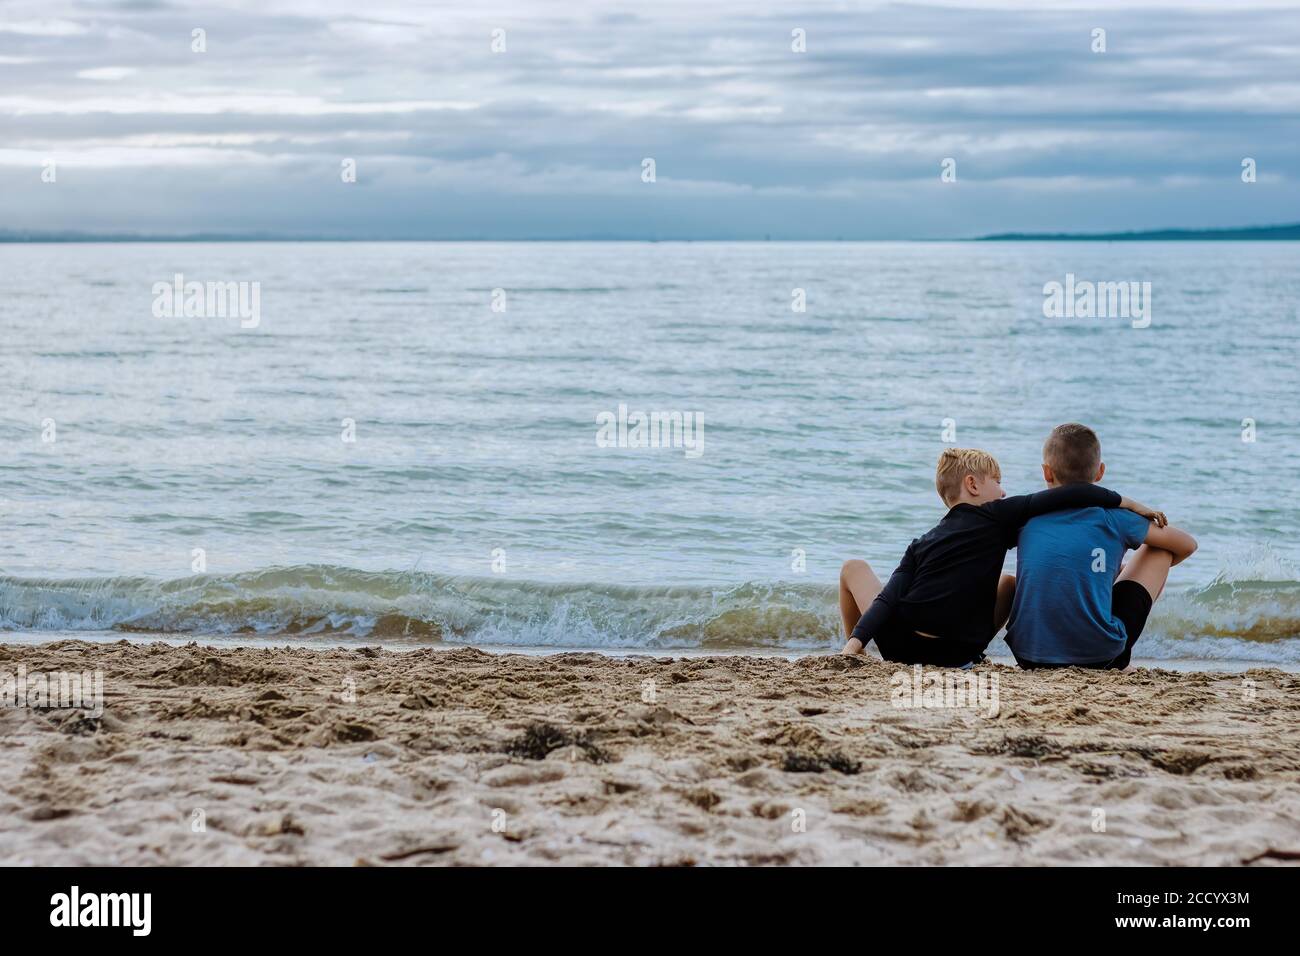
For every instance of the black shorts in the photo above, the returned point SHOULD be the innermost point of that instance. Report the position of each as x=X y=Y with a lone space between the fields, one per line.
x=900 y=644
x=1131 y=603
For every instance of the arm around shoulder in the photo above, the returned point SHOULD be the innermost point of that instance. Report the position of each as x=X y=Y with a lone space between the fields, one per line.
x=1019 y=509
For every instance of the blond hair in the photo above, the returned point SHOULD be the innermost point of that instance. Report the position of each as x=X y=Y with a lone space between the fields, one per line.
x=955 y=464
x=1073 y=452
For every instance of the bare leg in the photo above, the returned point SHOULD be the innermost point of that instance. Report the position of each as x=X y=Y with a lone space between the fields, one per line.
x=858 y=588
x=1149 y=567
x=1002 y=609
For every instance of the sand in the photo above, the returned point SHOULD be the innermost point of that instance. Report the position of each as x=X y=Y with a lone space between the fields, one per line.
x=234 y=755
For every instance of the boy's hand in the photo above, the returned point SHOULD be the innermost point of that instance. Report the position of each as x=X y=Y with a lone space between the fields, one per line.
x=1149 y=513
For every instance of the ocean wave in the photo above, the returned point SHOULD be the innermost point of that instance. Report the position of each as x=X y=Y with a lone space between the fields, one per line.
x=1229 y=619
x=324 y=600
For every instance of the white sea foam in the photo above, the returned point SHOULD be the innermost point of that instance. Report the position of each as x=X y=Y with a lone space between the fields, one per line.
x=1246 y=620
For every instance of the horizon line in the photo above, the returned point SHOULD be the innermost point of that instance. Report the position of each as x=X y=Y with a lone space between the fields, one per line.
x=1284 y=232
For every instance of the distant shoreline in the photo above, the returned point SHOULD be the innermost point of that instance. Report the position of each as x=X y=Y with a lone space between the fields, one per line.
x=1285 y=233
x=1246 y=233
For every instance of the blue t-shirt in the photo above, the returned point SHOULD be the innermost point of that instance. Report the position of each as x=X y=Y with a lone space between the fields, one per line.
x=1066 y=563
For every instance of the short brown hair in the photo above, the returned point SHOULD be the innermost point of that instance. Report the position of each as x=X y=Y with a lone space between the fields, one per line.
x=955 y=464
x=1073 y=452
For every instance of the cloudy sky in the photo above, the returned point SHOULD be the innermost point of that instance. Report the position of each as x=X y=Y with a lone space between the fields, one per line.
x=547 y=138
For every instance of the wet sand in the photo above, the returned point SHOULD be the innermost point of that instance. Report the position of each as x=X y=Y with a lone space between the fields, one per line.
x=282 y=756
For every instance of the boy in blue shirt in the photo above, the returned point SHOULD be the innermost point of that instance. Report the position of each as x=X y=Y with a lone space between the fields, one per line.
x=1075 y=604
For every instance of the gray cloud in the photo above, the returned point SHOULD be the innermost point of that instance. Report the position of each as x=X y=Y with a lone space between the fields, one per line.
x=547 y=138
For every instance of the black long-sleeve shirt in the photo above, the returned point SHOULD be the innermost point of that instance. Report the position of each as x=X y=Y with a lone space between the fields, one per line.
x=947 y=583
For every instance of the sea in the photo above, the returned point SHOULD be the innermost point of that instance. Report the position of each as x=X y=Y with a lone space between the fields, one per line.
x=624 y=447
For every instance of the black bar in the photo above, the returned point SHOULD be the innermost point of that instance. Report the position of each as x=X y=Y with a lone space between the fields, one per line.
x=332 y=906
